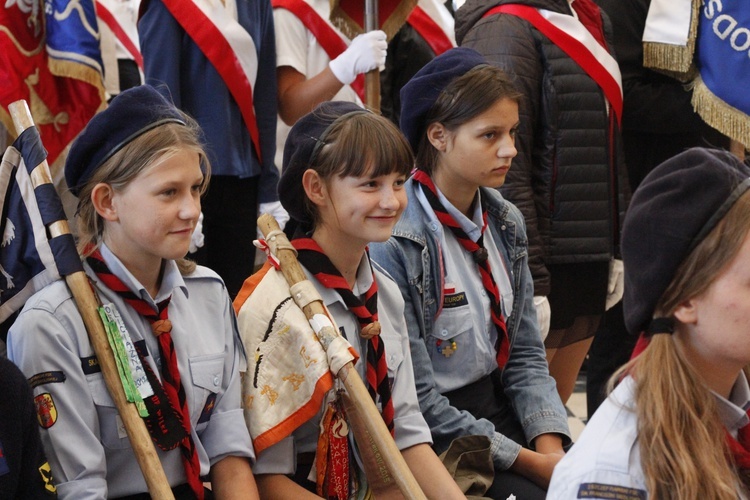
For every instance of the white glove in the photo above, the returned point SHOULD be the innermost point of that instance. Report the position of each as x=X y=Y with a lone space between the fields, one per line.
x=616 y=283
x=274 y=209
x=366 y=52
x=543 y=314
x=197 y=239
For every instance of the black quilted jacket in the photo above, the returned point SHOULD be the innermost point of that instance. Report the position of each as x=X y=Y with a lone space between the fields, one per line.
x=568 y=178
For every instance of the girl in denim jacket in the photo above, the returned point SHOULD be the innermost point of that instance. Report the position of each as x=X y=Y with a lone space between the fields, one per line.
x=459 y=255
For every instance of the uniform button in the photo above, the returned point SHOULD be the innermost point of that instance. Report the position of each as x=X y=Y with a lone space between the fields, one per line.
x=484 y=293
x=444 y=332
x=216 y=380
x=502 y=227
x=433 y=226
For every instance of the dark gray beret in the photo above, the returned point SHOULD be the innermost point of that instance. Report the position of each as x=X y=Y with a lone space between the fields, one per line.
x=674 y=208
x=420 y=93
x=304 y=141
x=129 y=115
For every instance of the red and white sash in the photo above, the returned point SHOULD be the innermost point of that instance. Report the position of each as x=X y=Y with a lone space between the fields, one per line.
x=434 y=23
x=230 y=49
x=575 y=40
x=131 y=45
x=324 y=32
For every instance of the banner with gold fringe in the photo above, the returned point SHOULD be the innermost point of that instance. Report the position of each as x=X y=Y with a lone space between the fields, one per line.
x=349 y=15
x=669 y=37
x=50 y=57
x=707 y=45
x=720 y=92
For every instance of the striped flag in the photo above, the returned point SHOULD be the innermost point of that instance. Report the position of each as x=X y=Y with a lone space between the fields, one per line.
x=29 y=260
x=50 y=56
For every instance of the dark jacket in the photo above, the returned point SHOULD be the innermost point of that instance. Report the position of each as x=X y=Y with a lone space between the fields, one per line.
x=658 y=120
x=24 y=470
x=568 y=178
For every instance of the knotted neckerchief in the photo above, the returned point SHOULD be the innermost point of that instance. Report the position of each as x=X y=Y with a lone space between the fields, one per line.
x=477 y=250
x=312 y=257
x=168 y=422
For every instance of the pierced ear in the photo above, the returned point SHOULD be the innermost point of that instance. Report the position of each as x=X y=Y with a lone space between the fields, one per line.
x=102 y=197
x=437 y=134
x=315 y=188
x=687 y=312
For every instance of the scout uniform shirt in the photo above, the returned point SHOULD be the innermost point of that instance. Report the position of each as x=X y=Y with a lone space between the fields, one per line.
x=462 y=345
x=606 y=461
x=410 y=427
x=82 y=432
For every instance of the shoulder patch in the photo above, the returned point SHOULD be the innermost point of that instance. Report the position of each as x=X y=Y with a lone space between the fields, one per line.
x=42 y=378
x=46 y=413
x=610 y=491
x=46 y=473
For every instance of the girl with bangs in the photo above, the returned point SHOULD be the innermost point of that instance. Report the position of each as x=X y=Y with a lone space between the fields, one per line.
x=342 y=183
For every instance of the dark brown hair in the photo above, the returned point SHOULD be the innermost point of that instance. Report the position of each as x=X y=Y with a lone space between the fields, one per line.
x=465 y=98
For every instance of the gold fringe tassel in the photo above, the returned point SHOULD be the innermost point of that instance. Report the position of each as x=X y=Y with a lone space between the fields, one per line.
x=390 y=26
x=727 y=119
x=675 y=60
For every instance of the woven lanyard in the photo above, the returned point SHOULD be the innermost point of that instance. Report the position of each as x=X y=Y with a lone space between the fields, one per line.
x=312 y=257
x=171 y=381
x=477 y=250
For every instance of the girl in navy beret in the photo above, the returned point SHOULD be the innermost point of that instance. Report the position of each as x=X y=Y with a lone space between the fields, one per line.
x=343 y=186
x=460 y=257
x=138 y=170
x=677 y=424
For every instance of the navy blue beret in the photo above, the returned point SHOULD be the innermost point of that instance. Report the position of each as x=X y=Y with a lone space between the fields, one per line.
x=304 y=141
x=129 y=115
x=671 y=212
x=420 y=93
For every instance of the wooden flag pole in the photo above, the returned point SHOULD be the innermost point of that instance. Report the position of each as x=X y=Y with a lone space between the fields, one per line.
x=372 y=78
x=88 y=305
x=380 y=440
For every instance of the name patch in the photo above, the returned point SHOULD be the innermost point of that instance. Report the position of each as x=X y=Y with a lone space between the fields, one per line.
x=46 y=378
x=90 y=365
x=610 y=491
x=455 y=300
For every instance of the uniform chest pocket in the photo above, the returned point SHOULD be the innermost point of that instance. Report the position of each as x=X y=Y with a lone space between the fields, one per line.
x=450 y=343
x=207 y=373
x=112 y=432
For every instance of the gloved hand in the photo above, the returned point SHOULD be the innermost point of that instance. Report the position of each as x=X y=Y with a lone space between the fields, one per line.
x=366 y=52
x=197 y=240
x=275 y=209
x=616 y=283
x=543 y=314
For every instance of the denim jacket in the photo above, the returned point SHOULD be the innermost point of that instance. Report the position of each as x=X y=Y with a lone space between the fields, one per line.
x=412 y=256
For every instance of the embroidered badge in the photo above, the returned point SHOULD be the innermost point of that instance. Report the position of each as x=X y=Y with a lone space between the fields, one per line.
x=446 y=347
x=208 y=408
x=46 y=378
x=46 y=473
x=46 y=413
x=454 y=300
x=4 y=469
x=610 y=491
